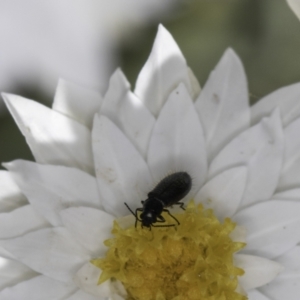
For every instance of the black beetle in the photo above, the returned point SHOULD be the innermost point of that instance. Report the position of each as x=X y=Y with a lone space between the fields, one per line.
x=168 y=192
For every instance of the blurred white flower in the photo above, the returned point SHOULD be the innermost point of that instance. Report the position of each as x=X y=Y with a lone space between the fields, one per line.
x=94 y=153
x=43 y=40
x=295 y=6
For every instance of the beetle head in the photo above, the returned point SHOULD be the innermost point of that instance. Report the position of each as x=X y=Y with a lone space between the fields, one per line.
x=147 y=219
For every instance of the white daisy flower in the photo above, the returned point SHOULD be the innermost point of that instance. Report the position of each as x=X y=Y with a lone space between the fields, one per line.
x=75 y=239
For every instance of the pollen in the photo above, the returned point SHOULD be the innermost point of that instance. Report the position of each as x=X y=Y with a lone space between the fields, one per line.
x=191 y=261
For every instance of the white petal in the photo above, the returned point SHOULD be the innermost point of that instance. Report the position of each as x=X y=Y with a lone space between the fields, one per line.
x=76 y=102
x=196 y=89
x=81 y=295
x=272 y=227
x=128 y=112
x=224 y=192
x=40 y=287
x=258 y=271
x=256 y=295
x=283 y=289
x=223 y=103
x=117 y=297
x=13 y=272
x=51 y=251
x=87 y=279
x=89 y=226
x=261 y=149
x=52 y=137
x=293 y=194
x=286 y=98
x=118 y=290
x=164 y=70
x=5 y=254
x=295 y=6
x=20 y=221
x=10 y=194
x=291 y=261
x=287 y=284
x=239 y=234
x=122 y=173
x=290 y=173
x=177 y=142
x=53 y=188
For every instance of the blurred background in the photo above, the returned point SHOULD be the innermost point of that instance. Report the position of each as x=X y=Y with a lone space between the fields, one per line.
x=84 y=41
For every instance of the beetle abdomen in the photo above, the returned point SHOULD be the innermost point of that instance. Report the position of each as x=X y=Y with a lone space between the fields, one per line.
x=172 y=188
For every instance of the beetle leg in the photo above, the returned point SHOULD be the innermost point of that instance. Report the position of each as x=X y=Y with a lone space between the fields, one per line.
x=180 y=204
x=136 y=216
x=171 y=215
x=161 y=219
x=168 y=225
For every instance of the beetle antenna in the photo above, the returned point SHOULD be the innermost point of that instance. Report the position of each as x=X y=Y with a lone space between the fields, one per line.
x=130 y=209
x=135 y=214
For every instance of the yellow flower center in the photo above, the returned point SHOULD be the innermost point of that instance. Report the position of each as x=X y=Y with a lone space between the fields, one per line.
x=193 y=260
